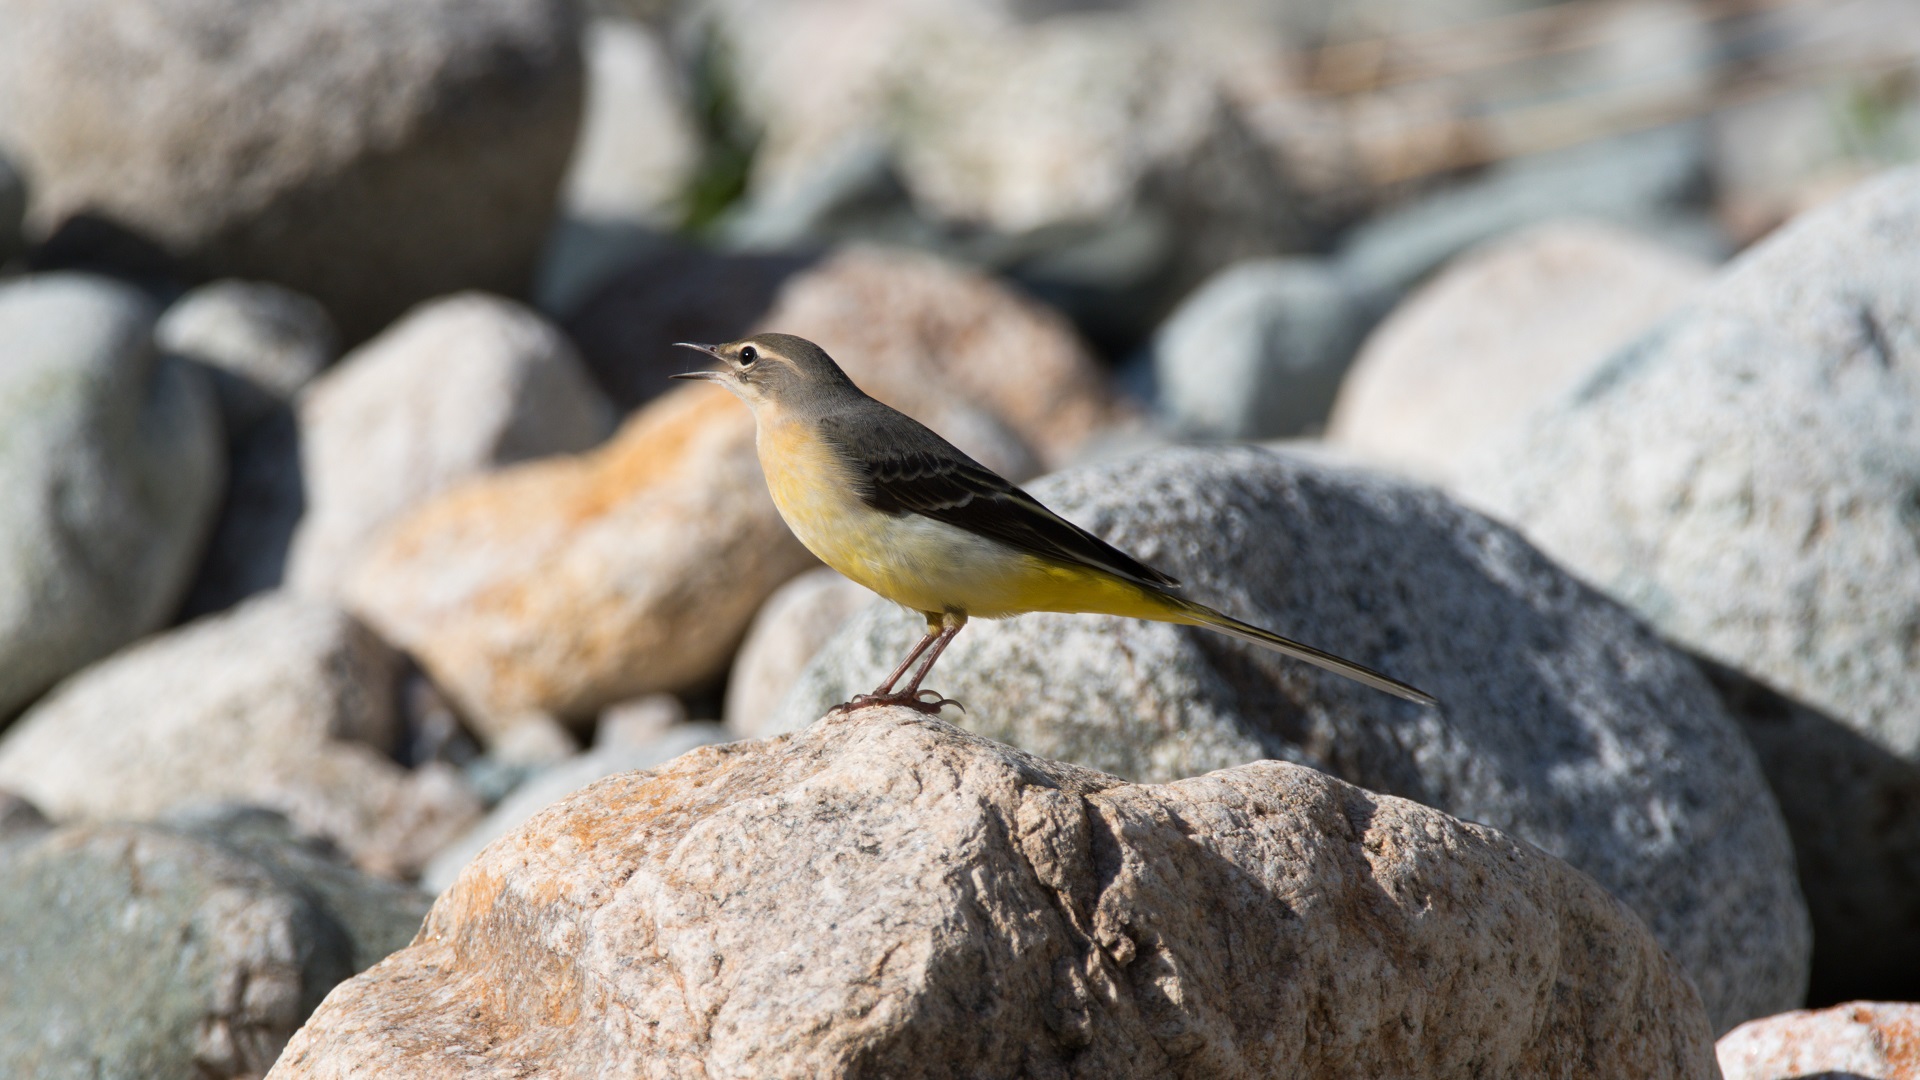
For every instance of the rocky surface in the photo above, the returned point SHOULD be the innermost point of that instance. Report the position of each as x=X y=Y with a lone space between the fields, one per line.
x=1748 y=479
x=552 y=784
x=265 y=499
x=367 y=154
x=1258 y=351
x=1501 y=332
x=259 y=343
x=1563 y=720
x=1854 y=1041
x=110 y=475
x=284 y=703
x=786 y=634
x=188 y=951
x=459 y=386
x=13 y=209
x=941 y=905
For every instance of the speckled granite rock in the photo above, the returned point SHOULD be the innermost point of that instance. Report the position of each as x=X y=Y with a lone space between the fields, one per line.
x=883 y=895
x=786 y=634
x=1564 y=720
x=184 y=952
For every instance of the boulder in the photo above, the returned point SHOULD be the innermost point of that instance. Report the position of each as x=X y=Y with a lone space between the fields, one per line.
x=562 y=587
x=283 y=702
x=1747 y=477
x=1499 y=333
x=182 y=952
x=259 y=343
x=110 y=475
x=786 y=633
x=368 y=154
x=1563 y=720
x=884 y=895
x=1846 y=1042
x=459 y=386
x=1257 y=351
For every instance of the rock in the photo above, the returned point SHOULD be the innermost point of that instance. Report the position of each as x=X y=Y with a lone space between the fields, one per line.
x=1564 y=721
x=627 y=328
x=265 y=499
x=885 y=895
x=1258 y=351
x=110 y=474
x=564 y=587
x=457 y=387
x=13 y=209
x=790 y=628
x=638 y=150
x=419 y=152
x=143 y=952
x=259 y=343
x=1748 y=479
x=1647 y=180
x=1856 y=1040
x=914 y=330
x=556 y=783
x=1499 y=333
x=284 y=702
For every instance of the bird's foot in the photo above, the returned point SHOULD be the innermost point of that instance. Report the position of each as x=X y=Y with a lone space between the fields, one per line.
x=926 y=701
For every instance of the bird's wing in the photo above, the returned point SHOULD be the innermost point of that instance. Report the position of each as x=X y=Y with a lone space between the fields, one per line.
x=907 y=469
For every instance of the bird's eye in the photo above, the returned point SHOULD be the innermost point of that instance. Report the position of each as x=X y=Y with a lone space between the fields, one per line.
x=748 y=354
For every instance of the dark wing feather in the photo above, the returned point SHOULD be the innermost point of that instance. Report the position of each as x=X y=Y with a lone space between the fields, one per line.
x=907 y=469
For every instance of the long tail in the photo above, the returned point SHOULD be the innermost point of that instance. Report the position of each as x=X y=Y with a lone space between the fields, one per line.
x=1201 y=615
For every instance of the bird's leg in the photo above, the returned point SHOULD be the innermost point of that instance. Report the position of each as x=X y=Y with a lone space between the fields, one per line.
x=933 y=631
x=940 y=634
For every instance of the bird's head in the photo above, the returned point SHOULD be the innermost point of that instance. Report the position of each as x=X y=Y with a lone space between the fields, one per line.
x=779 y=369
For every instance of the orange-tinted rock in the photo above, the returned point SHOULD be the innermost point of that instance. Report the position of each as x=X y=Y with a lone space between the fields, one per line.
x=885 y=895
x=1880 y=1040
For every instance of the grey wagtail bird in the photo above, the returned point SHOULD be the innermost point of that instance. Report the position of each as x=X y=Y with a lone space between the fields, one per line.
x=895 y=507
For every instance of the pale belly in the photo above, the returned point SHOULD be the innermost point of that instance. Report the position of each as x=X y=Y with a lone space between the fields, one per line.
x=925 y=564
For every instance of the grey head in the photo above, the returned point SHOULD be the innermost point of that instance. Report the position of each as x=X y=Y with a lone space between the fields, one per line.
x=787 y=371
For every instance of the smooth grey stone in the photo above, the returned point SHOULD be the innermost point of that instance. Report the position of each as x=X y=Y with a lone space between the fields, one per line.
x=1258 y=351
x=111 y=466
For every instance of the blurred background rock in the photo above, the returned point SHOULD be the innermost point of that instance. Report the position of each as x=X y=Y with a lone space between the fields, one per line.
x=340 y=479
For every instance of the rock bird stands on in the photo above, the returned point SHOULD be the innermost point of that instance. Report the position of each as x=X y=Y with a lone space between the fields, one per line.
x=893 y=506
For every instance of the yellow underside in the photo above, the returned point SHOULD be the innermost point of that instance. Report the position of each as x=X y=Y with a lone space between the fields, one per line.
x=925 y=564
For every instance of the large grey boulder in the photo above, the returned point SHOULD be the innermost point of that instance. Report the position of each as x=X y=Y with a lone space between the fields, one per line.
x=1747 y=477
x=370 y=154
x=884 y=895
x=461 y=385
x=111 y=466
x=283 y=702
x=1563 y=719
x=182 y=952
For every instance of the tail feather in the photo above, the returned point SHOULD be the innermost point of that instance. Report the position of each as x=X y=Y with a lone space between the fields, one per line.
x=1201 y=615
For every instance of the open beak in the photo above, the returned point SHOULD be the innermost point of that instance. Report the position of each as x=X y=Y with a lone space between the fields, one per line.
x=709 y=376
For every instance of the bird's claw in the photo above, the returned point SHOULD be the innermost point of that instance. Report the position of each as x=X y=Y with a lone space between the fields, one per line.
x=926 y=701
